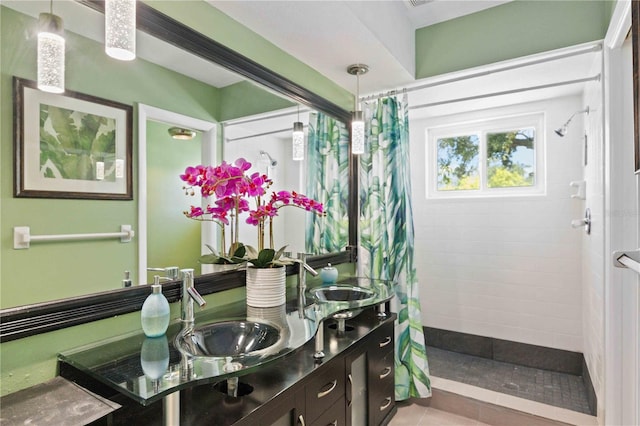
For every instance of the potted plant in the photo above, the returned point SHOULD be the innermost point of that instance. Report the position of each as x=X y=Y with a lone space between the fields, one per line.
x=234 y=191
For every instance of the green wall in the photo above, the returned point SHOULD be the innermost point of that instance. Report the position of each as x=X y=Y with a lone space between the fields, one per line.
x=170 y=235
x=48 y=271
x=511 y=30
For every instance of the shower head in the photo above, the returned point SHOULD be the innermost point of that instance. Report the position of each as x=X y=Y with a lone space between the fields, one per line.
x=272 y=162
x=562 y=131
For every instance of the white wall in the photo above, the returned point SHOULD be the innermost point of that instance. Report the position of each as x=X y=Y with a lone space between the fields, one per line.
x=508 y=268
x=289 y=226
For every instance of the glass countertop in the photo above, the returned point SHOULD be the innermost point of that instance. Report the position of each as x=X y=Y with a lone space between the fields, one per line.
x=147 y=369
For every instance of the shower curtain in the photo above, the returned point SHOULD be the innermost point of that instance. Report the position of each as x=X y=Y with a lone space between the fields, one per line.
x=386 y=235
x=328 y=164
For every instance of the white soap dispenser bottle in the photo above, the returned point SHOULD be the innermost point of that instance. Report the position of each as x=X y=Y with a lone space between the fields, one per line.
x=155 y=311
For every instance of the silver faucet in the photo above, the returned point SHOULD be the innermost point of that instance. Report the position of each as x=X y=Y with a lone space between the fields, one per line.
x=189 y=295
x=302 y=281
x=170 y=271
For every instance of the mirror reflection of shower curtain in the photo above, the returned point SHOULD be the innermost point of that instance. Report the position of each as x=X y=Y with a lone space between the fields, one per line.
x=328 y=182
x=387 y=237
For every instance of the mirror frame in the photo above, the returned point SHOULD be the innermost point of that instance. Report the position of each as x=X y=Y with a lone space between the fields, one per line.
x=29 y=320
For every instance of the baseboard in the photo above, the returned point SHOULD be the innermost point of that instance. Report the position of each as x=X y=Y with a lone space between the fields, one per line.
x=498 y=409
x=558 y=360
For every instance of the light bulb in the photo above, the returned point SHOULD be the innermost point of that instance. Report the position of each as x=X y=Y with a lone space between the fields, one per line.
x=51 y=50
x=120 y=29
x=298 y=141
x=357 y=133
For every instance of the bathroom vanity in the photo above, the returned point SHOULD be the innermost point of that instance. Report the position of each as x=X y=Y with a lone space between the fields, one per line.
x=161 y=381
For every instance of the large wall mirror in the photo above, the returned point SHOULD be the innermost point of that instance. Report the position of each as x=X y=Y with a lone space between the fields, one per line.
x=247 y=119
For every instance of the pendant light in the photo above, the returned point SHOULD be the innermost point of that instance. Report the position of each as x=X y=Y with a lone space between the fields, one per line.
x=51 y=49
x=357 y=123
x=120 y=29
x=298 y=139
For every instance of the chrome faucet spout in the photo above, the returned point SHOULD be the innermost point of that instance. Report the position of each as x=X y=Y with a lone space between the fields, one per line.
x=309 y=269
x=170 y=271
x=189 y=295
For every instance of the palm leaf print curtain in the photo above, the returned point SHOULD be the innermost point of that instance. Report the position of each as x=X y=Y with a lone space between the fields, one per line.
x=386 y=235
x=328 y=182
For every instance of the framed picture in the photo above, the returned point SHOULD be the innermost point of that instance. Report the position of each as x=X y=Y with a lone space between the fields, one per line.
x=70 y=145
x=635 y=39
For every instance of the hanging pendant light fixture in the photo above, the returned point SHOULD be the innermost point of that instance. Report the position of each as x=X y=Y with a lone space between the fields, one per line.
x=298 y=139
x=120 y=29
x=357 y=123
x=51 y=49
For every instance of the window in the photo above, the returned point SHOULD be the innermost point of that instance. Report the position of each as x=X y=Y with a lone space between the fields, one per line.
x=492 y=157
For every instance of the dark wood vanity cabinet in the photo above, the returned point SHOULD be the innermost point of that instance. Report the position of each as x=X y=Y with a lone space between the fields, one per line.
x=355 y=388
x=352 y=385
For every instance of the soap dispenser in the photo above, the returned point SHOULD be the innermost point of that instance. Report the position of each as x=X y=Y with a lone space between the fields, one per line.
x=155 y=311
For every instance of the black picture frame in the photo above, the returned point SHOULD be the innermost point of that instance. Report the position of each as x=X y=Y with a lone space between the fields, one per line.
x=52 y=160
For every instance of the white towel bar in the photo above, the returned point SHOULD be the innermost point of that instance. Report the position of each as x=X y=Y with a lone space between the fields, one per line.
x=22 y=236
x=627 y=259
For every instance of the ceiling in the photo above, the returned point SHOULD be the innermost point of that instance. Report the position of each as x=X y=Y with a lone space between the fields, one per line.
x=330 y=35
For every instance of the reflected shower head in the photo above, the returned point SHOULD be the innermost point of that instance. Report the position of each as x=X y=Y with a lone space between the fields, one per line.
x=273 y=162
x=562 y=131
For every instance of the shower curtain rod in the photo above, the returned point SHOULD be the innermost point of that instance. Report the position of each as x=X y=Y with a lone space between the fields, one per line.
x=508 y=92
x=587 y=49
x=253 y=120
x=272 y=132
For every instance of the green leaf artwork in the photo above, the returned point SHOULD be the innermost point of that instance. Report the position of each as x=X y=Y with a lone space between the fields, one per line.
x=72 y=143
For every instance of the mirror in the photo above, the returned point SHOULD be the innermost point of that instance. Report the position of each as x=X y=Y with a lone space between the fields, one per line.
x=86 y=69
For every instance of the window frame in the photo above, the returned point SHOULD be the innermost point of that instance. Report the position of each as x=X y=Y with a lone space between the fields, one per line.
x=482 y=128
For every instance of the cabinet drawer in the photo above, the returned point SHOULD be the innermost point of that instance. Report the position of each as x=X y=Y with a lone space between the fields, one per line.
x=382 y=371
x=334 y=416
x=382 y=341
x=323 y=390
x=381 y=404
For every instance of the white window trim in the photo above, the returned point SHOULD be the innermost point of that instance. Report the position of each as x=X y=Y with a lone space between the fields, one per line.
x=481 y=127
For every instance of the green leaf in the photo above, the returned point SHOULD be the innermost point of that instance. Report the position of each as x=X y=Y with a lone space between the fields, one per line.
x=266 y=256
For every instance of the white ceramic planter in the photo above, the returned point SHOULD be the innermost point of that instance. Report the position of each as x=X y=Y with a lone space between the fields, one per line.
x=266 y=287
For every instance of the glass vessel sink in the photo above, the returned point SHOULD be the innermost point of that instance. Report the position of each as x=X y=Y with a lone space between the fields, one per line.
x=236 y=338
x=342 y=293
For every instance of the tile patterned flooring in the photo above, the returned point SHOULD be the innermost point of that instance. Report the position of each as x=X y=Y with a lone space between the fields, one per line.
x=411 y=414
x=551 y=388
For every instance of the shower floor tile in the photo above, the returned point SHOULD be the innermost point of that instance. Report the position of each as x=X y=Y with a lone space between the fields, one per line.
x=548 y=387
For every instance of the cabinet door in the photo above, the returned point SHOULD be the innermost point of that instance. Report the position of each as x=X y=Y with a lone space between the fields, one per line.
x=357 y=393
x=334 y=416
x=286 y=410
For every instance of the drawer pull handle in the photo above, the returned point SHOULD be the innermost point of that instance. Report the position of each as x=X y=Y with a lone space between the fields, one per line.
x=385 y=342
x=331 y=385
x=387 y=403
x=301 y=420
x=333 y=423
x=385 y=372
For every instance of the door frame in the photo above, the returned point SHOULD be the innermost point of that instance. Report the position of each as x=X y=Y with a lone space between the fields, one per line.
x=621 y=305
x=208 y=233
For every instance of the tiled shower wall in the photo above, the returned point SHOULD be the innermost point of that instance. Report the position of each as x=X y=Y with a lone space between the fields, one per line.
x=508 y=268
x=593 y=244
